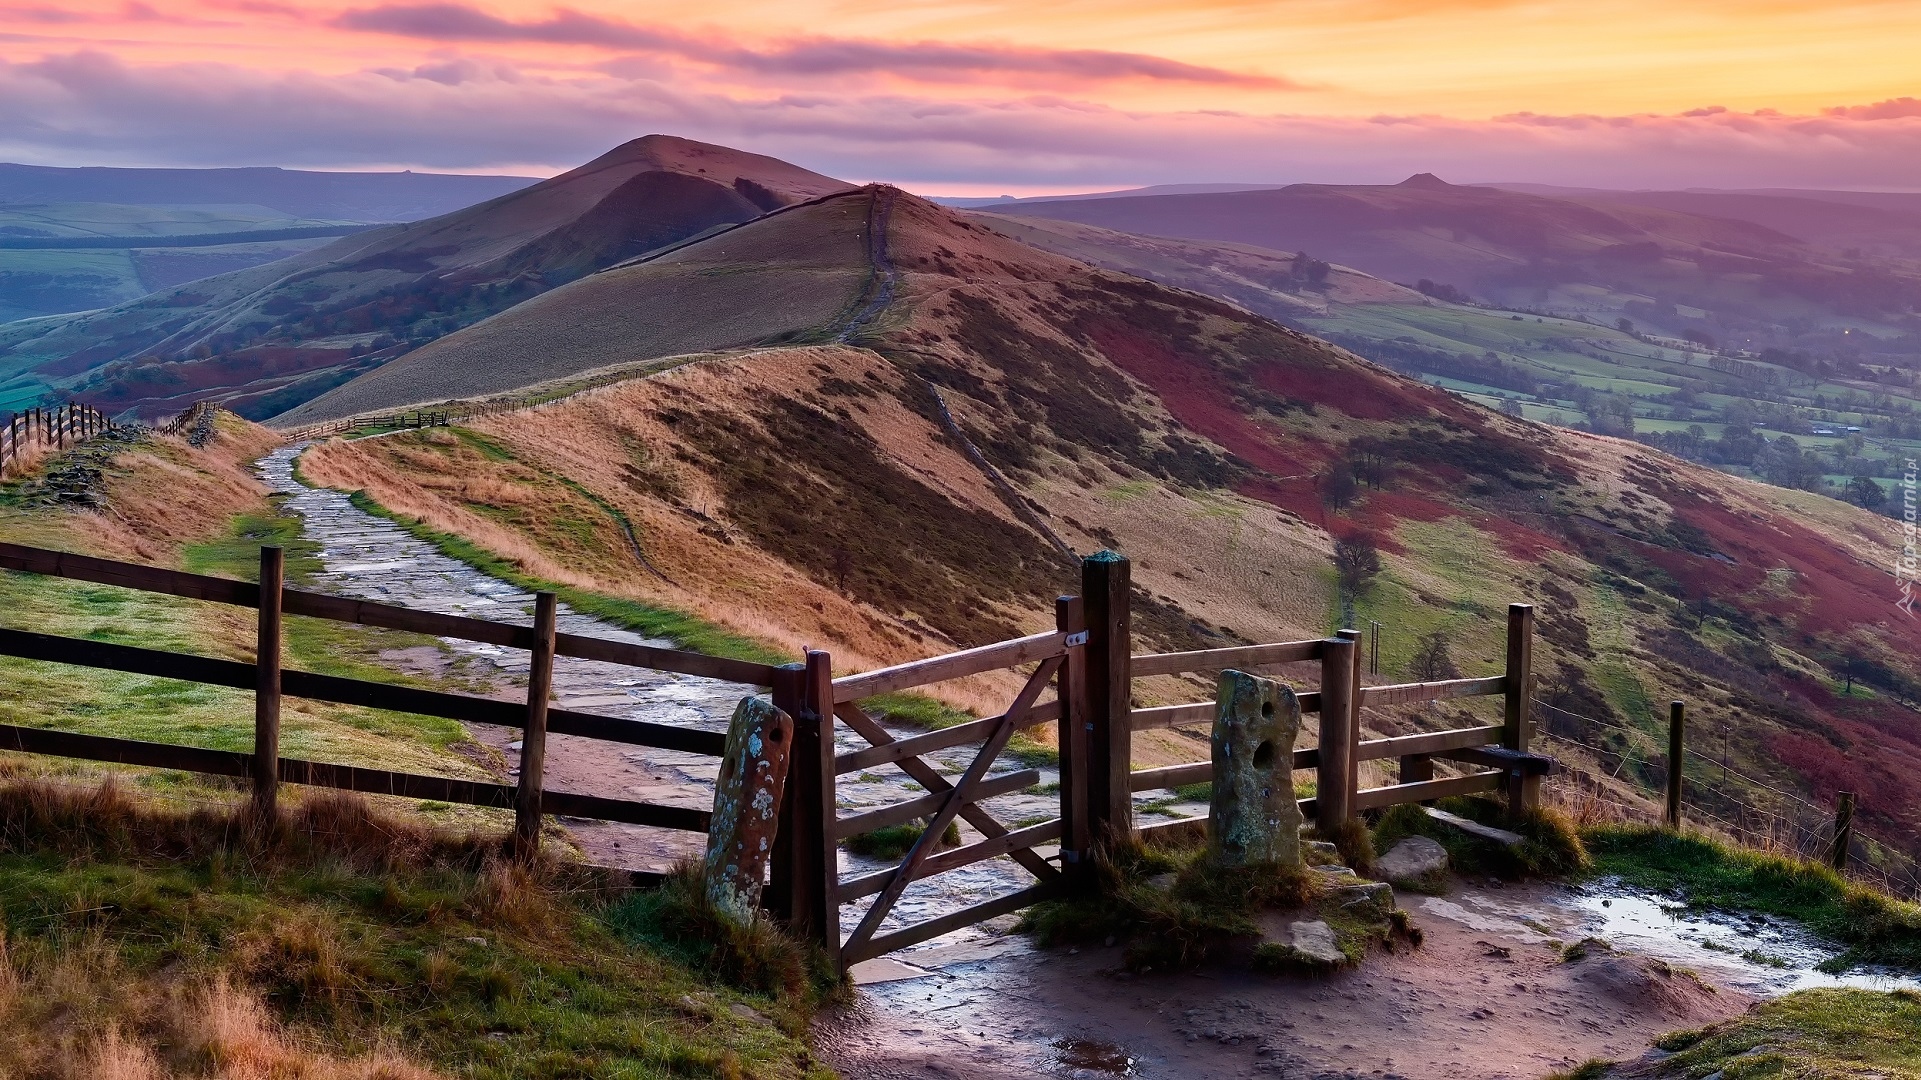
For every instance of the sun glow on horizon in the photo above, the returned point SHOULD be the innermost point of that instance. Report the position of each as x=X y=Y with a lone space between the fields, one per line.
x=1080 y=90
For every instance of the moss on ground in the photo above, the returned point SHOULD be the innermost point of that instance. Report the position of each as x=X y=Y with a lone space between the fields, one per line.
x=1810 y=1035
x=1872 y=927
x=1552 y=846
x=1174 y=908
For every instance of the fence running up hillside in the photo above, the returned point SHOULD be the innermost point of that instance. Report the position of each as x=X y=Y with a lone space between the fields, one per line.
x=48 y=429
x=270 y=681
x=1709 y=793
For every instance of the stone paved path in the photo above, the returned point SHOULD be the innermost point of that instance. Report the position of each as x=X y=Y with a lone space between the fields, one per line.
x=370 y=558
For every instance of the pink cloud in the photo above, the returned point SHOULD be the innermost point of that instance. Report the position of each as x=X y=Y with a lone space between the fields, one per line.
x=91 y=108
x=1892 y=109
x=805 y=57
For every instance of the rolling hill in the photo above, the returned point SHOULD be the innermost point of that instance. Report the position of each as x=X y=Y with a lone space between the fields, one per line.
x=790 y=275
x=267 y=338
x=334 y=196
x=992 y=407
x=1668 y=266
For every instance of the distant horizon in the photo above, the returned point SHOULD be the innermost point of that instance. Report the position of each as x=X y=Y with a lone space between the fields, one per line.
x=989 y=190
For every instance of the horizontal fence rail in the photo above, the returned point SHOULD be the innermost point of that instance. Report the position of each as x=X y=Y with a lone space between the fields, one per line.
x=270 y=769
x=1497 y=752
x=372 y=613
x=958 y=665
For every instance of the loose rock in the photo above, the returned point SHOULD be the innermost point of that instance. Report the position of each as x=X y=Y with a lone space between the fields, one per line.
x=1411 y=860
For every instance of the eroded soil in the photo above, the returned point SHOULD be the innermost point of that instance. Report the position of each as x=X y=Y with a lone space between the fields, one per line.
x=1488 y=995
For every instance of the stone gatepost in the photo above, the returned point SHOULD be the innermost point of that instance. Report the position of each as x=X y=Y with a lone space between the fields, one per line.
x=740 y=840
x=1254 y=819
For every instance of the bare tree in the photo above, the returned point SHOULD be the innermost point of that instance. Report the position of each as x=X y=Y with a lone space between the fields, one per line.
x=1432 y=662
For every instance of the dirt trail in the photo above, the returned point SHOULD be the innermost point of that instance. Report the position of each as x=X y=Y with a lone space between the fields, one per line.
x=1485 y=997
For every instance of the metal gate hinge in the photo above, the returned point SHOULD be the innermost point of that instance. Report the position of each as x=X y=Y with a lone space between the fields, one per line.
x=1075 y=639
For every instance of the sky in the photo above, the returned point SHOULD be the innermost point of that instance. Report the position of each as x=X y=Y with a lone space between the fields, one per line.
x=989 y=96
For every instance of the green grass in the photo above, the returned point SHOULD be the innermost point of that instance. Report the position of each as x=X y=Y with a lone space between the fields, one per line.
x=150 y=709
x=685 y=630
x=359 y=930
x=893 y=841
x=1813 y=1033
x=1872 y=927
x=914 y=710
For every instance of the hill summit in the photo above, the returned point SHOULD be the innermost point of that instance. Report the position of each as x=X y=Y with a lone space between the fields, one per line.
x=267 y=338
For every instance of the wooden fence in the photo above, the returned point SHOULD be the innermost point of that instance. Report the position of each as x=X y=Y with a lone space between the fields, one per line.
x=1087 y=660
x=1497 y=755
x=270 y=681
x=48 y=429
x=439 y=416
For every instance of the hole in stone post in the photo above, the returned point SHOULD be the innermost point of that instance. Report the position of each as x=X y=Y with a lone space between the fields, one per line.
x=777 y=735
x=1267 y=708
x=1264 y=754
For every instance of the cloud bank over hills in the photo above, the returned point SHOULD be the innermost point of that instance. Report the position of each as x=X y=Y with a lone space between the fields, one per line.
x=466 y=114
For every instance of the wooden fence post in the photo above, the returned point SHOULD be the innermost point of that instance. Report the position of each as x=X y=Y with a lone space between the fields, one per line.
x=1677 y=748
x=806 y=864
x=1334 y=782
x=824 y=893
x=1070 y=618
x=785 y=897
x=266 y=688
x=1523 y=791
x=1106 y=595
x=533 y=739
x=1843 y=830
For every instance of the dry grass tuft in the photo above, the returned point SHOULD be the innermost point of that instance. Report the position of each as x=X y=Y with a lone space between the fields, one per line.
x=104 y=821
x=115 y=1057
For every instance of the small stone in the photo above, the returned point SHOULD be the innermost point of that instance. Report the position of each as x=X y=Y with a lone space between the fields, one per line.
x=1337 y=871
x=1375 y=898
x=1411 y=860
x=1314 y=940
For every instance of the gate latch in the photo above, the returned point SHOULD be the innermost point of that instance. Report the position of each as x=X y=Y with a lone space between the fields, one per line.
x=1076 y=639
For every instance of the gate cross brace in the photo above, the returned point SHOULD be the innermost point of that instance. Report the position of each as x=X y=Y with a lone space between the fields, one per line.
x=956 y=799
x=925 y=775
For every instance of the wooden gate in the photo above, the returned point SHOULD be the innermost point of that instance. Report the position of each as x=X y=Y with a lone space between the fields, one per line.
x=807 y=877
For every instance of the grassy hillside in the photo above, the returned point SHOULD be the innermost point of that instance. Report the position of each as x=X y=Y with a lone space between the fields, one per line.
x=792 y=276
x=1228 y=456
x=1846 y=412
x=265 y=339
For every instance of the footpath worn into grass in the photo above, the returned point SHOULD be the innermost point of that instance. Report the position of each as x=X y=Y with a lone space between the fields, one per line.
x=357 y=938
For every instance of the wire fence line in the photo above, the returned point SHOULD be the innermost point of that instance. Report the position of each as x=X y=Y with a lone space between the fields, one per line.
x=1782 y=821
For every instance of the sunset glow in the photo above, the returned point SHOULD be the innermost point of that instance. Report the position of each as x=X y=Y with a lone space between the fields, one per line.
x=990 y=95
